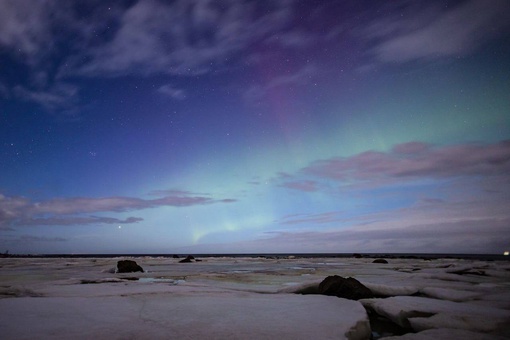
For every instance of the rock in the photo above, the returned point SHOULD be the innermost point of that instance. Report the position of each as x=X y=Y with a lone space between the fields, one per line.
x=469 y=272
x=128 y=266
x=175 y=256
x=347 y=288
x=420 y=313
x=379 y=261
x=187 y=259
x=445 y=333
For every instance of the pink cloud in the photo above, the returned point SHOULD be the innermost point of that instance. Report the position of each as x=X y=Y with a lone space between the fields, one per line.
x=417 y=160
x=60 y=211
x=468 y=236
x=326 y=217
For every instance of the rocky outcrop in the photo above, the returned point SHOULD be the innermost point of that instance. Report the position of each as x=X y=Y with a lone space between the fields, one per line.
x=347 y=288
x=128 y=266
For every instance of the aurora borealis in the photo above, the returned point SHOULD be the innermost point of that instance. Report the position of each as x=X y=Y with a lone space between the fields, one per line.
x=254 y=126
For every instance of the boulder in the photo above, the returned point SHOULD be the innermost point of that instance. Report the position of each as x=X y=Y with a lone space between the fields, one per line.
x=347 y=288
x=187 y=259
x=128 y=266
x=379 y=261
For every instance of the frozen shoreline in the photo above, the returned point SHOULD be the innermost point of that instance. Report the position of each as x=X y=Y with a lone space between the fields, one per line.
x=230 y=298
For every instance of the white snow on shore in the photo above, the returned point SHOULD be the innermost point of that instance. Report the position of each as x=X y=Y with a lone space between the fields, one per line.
x=233 y=298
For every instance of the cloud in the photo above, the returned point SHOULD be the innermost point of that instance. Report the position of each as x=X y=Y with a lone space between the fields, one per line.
x=299 y=77
x=477 y=226
x=326 y=217
x=31 y=238
x=488 y=236
x=417 y=160
x=172 y=92
x=171 y=192
x=458 y=205
x=475 y=236
x=464 y=224
x=304 y=185
x=183 y=37
x=76 y=221
x=59 y=96
x=24 y=26
x=433 y=32
x=473 y=225
x=116 y=204
x=63 y=211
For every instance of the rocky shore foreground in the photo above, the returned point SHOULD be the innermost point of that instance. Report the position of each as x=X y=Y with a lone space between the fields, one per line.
x=257 y=298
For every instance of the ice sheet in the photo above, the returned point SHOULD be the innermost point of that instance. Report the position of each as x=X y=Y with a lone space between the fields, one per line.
x=233 y=297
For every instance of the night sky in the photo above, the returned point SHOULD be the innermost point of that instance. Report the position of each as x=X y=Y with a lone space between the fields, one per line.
x=254 y=126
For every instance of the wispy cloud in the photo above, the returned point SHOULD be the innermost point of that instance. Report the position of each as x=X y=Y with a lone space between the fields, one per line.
x=469 y=227
x=172 y=92
x=31 y=238
x=300 y=77
x=97 y=220
x=459 y=202
x=431 y=32
x=66 y=211
x=326 y=217
x=182 y=37
x=303 y=185
x=25 y=26
x=59 y=96
x=416 y=160
x=475 y=236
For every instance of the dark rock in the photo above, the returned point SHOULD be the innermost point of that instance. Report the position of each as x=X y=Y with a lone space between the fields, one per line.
x=379 y=261
x=469 y=272
x=347 y=288
x=175 y=256
x=128 y=266
x=187 y=259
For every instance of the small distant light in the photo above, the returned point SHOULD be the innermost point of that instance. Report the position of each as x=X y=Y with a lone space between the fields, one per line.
x=506 y=253
x=120 y=227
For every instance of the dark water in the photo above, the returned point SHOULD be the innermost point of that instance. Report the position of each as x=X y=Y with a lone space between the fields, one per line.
x=430 y=256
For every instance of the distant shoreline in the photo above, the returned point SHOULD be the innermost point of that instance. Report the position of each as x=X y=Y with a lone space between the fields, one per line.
x=424 y=256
